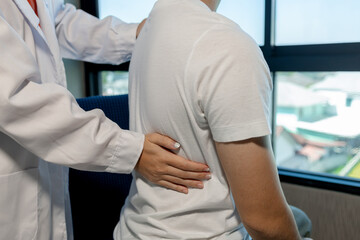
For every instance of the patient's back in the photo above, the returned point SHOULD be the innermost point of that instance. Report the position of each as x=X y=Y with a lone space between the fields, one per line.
x=177 y=87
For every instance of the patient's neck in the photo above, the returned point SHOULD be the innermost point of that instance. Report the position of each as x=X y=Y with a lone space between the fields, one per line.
x=212 y=4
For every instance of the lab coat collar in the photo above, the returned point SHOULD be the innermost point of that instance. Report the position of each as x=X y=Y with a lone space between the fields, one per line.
x=45 y=29
x=30 y=15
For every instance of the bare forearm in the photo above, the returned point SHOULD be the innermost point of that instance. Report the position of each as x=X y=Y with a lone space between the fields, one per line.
x=252 y=175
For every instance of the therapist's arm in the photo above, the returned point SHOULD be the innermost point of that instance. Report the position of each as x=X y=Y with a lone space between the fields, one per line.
x=252 y=174
x=46 y=120
x=84 y=37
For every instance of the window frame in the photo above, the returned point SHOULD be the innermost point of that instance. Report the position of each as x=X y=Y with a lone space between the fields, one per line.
x=309 y=58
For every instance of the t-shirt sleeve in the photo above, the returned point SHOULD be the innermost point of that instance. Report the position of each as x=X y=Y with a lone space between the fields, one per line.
x=231 y=85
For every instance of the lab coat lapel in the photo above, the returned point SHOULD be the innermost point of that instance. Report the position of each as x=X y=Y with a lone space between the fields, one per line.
x=48 y=27
x=30 y=16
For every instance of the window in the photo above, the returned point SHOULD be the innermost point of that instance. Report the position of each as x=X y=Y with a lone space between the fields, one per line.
x=132 y=11
x=316 y=87
x=313 y=51
x=317 y=22
x=317 y=122
x=249 y=14
x=114 y=82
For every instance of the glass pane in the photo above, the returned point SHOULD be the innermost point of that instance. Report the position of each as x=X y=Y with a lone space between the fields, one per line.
x=249 y=14
x=114 y=83
x=131 y=11
x=317 y=122
x=317 y=21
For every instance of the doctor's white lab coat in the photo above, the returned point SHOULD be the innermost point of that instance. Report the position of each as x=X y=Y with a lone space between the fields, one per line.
x=39 y=119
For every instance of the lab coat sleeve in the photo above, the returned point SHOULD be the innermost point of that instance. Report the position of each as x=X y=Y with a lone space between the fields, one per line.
x=84 y=37
x=46 y=120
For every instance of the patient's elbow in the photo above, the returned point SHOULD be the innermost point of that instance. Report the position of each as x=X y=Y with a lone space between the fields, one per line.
x=278 y=228
x=257 y=228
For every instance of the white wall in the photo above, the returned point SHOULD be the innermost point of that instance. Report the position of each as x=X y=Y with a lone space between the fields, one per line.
x=334 y=215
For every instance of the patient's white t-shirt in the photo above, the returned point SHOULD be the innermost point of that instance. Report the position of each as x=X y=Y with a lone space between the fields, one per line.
x=197 y=77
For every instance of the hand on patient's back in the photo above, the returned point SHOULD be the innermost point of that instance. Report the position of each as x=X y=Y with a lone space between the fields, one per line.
x=162 y=167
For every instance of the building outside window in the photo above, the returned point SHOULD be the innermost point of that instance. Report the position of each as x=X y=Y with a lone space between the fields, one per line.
x=114 y=82
x=317 y=122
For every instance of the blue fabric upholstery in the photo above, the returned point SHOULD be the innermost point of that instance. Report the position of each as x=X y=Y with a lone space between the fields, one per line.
x=97 y=198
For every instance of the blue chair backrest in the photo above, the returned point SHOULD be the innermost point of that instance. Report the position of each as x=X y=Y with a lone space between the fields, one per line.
x=97 y=198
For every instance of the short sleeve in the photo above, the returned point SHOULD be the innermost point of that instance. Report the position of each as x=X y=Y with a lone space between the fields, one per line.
x=231 y=85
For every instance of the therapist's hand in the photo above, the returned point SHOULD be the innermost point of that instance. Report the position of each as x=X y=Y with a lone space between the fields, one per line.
x=164 y=168
x=140 y=26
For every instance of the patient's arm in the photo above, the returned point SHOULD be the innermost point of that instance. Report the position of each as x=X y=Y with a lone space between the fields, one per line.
x=252 y=174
